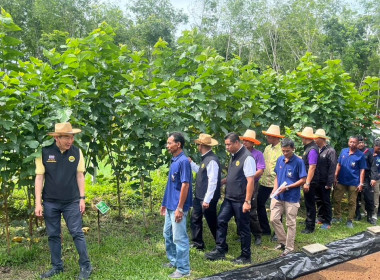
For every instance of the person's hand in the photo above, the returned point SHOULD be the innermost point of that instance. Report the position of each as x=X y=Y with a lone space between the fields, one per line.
x=223 y=181
x=163 y=211
x=38 y=211
x=306 y=188
x=359 y=188
x=189 y=158
x=82 y=206
x=178 y=215
x=246 y=207
x=373 y=183
x=205 y=205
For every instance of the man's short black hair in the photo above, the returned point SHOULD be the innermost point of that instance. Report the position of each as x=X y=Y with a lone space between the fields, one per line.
x=377 y=142
x=360 y=138
x=287 y=142
x=354 y=137
x=178 y=137
x=232 y=136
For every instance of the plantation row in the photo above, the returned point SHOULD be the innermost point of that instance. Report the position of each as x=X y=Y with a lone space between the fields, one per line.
x=126 y=101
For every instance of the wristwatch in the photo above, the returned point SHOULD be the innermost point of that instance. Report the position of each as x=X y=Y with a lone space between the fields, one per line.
x=307 y=184
x=287 y=188
x=82 y=197
x=180 y=210
x=248 y=202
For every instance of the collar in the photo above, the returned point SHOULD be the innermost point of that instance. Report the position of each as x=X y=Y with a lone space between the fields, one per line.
x=291 y=159
x=177 y=157
x=206 y=153
x=237 y=151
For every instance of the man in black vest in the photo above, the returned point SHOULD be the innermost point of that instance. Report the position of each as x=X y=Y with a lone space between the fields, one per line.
x=60 y=184
x=207 y=190
x=237 y=202
x=310 y=158
x=369 y=183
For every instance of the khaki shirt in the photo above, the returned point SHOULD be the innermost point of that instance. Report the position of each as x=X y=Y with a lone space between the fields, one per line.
x=40 y=168
x=271 y=154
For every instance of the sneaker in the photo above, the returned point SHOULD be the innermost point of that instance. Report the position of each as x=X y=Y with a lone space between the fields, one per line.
x=85 y=273
x=325 y=226
x=336 y=220
x=177 y=275
x=242 y=260
x=286 y=252
x=215 y=255
x=280 y=247
x=371 y=221
x=51 y=273
x=168 y=265
x=307 y=231
x=350 y=224
x=258 y=240
x=274 y=238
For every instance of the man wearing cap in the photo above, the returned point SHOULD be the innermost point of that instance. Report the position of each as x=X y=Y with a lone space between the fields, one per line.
x=237 y=202
x=326 y=167
x=349 y=177
x=60 y=190
x=310 y=158
x=207 y=190
x=290 y=176
x=271 y=153
x=175 y=206
x=369 y=182
x=249 y=141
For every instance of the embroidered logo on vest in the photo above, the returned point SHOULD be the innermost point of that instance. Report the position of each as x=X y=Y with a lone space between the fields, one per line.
x=51 y=158
x=237 y=163
x=203 y=165
x=71 y=158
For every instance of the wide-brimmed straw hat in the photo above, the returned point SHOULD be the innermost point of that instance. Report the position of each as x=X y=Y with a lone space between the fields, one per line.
x=205 y=139
x=64 y=129
x=307 y=132
x=320 y=133
x=250 y=135
x=274 y=130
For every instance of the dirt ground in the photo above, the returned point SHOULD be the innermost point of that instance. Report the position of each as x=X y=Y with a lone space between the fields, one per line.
x=364 y=268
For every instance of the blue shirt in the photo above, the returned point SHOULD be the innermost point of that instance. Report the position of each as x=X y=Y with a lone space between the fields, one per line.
x=290 y=172
x=180 y=172
x=350 y=166
x=377 y=162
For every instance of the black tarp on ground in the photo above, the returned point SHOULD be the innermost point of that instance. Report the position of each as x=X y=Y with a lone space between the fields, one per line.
x=298 y=264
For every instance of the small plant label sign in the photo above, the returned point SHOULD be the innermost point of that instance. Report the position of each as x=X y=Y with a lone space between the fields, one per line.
x=102 y=207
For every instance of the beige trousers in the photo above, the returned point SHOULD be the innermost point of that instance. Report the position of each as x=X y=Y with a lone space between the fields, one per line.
x=278 y=208
x=376 y=199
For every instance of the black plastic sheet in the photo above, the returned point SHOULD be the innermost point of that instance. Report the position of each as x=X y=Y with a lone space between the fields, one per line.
x=299 y=264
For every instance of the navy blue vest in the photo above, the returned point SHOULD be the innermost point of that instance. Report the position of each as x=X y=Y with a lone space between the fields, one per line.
x=236 y=188
x=201 y=183
x=60 y=174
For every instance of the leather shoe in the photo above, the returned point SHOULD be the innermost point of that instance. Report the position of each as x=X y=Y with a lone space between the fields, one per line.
x=85 y=273
x=307 y=231
x=200 y=248
x=215 y=255
x=51 y=273
x=242 y=260
x=257 y=240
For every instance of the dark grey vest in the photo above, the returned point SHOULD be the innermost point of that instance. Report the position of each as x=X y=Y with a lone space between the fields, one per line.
x=201 y=183
x=236 y=182
x=307 y=149
x=60 y=174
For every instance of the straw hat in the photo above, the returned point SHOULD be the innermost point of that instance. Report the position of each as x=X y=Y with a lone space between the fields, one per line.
x=274 y=130
x=64 y=128
x=250 y=135
x=307 y=132
x=205 y=139
x=320 y=133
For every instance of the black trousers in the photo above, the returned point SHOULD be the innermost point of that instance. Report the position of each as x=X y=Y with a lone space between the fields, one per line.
x=253 y=216
x=262 y=197
x=197 y=221
x=310 y=207
x=229 y=209
x=323 y=202
x=368 y=194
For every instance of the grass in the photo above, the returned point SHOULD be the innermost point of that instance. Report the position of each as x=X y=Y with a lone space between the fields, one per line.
x=132 y=247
